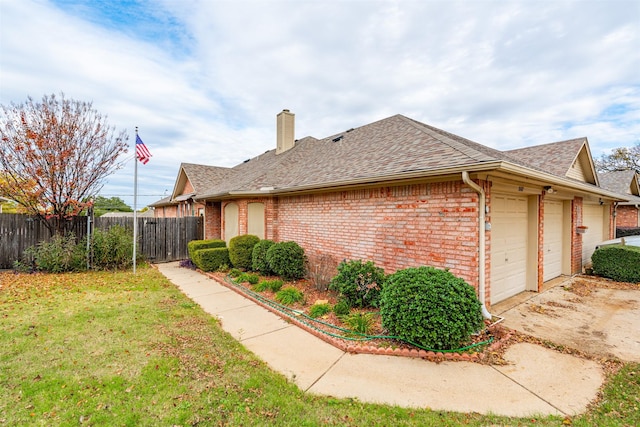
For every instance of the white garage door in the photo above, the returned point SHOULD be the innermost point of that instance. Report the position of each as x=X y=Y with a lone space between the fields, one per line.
x=592 y=217
x=508 y=246
x=552 y=240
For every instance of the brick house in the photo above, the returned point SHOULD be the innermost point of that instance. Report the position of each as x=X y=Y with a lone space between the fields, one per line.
x=192 y=179
x=627 y=183
x=404 y=194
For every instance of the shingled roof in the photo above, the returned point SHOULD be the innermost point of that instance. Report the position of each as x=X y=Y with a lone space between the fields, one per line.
x=200 y=177
x=393 y=148
x=625 y=182
x=381 y=149
x=555 y=158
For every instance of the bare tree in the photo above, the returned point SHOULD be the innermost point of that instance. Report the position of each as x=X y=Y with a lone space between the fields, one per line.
x=54 y=154
x=620 y=159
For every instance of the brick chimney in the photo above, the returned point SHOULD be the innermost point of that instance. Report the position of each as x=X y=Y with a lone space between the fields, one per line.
x=285 y=131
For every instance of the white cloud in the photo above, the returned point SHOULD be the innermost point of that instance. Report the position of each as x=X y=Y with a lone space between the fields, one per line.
x=506 y=74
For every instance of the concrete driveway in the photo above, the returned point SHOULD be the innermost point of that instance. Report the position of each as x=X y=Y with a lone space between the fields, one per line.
x=582 y=313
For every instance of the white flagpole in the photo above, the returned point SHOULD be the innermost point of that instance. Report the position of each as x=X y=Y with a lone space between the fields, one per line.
x=135 y=199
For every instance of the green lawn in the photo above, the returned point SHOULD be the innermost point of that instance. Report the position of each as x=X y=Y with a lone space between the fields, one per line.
x=118 y=349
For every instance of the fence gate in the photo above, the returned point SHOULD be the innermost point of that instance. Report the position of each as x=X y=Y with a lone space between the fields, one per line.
x=165 y=239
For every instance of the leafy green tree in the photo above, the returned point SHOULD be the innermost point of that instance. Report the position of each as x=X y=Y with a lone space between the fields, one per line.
x=102 y=205
x=623 y=158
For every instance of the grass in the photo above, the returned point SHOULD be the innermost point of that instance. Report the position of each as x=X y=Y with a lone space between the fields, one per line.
x=118 y=349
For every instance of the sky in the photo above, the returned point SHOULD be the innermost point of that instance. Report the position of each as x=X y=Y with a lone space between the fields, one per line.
x=203 y=80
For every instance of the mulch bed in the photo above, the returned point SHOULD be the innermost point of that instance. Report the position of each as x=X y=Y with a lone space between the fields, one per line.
x=494 y=334
x=492 y=354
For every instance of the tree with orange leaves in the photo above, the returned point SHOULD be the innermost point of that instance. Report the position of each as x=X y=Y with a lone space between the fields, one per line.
x=54 y=154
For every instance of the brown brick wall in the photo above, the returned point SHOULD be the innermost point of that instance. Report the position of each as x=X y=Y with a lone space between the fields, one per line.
x=166 y=212
x=213 y=221
x=627 y=216
x=576 y=238
x=396 y=227
x=541 y=240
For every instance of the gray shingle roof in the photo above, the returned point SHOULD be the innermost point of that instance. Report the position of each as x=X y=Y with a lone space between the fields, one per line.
x=201 y=176
x=618 y=181
x=555 y=158
x=384 y=148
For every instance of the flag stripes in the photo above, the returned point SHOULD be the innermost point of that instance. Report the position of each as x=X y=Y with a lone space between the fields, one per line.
x=142 y=152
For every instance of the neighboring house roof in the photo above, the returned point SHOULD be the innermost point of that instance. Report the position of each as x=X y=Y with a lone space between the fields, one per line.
x=145 y=214
x=393 y=148
x=625 y=182
x=162 y=202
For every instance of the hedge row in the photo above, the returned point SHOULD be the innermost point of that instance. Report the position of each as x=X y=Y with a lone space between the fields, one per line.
x=247 y=252
x=617 y=262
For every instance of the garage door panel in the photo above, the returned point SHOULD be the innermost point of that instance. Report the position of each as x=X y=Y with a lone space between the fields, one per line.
x=552 y=238
x=508 y=246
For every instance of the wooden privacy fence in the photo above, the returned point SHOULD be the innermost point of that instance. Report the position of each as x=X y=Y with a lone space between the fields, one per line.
x=159 y=239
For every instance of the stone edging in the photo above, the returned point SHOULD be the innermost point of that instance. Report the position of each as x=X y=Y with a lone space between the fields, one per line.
x=349 y=347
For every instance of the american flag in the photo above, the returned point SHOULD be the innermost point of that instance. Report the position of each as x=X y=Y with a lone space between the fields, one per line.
x=142 y=152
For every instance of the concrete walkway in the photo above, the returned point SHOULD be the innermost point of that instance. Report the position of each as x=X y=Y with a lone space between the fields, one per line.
x=537 y=381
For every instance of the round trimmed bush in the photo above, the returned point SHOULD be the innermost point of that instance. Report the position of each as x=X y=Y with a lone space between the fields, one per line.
x=431 y=308
x=241 y=249
x=259 y=257
x=359 y=283
x=286 y=259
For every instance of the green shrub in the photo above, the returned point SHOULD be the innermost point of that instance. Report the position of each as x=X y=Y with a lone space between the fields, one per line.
x=261 y=286
x=248 y=277
x=211 y=259
x=341 y=308
x=319 y=310
x=289 y=295
x=112 y=249
x=286 y=259
x=259 y=257
x=359 y=322
x=275 y=285
x=235 y=272
x=359 y=283
x=431 y=308
x=196 y=245
x=59 y=255
x=618 y=262
x=241 y=249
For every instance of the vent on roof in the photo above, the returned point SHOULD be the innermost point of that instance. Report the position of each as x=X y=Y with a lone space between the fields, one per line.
x=350 y=130
x=338 y=138
x=246 y=161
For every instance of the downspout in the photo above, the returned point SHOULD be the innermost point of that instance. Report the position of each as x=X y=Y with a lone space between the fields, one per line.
x=482 y=237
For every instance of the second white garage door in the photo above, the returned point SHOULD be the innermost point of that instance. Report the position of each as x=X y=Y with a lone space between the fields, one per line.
x=508 y=246
x=552 y=239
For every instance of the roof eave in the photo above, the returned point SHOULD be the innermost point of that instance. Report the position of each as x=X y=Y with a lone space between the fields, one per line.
x=479 y=167
x=561 y=181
